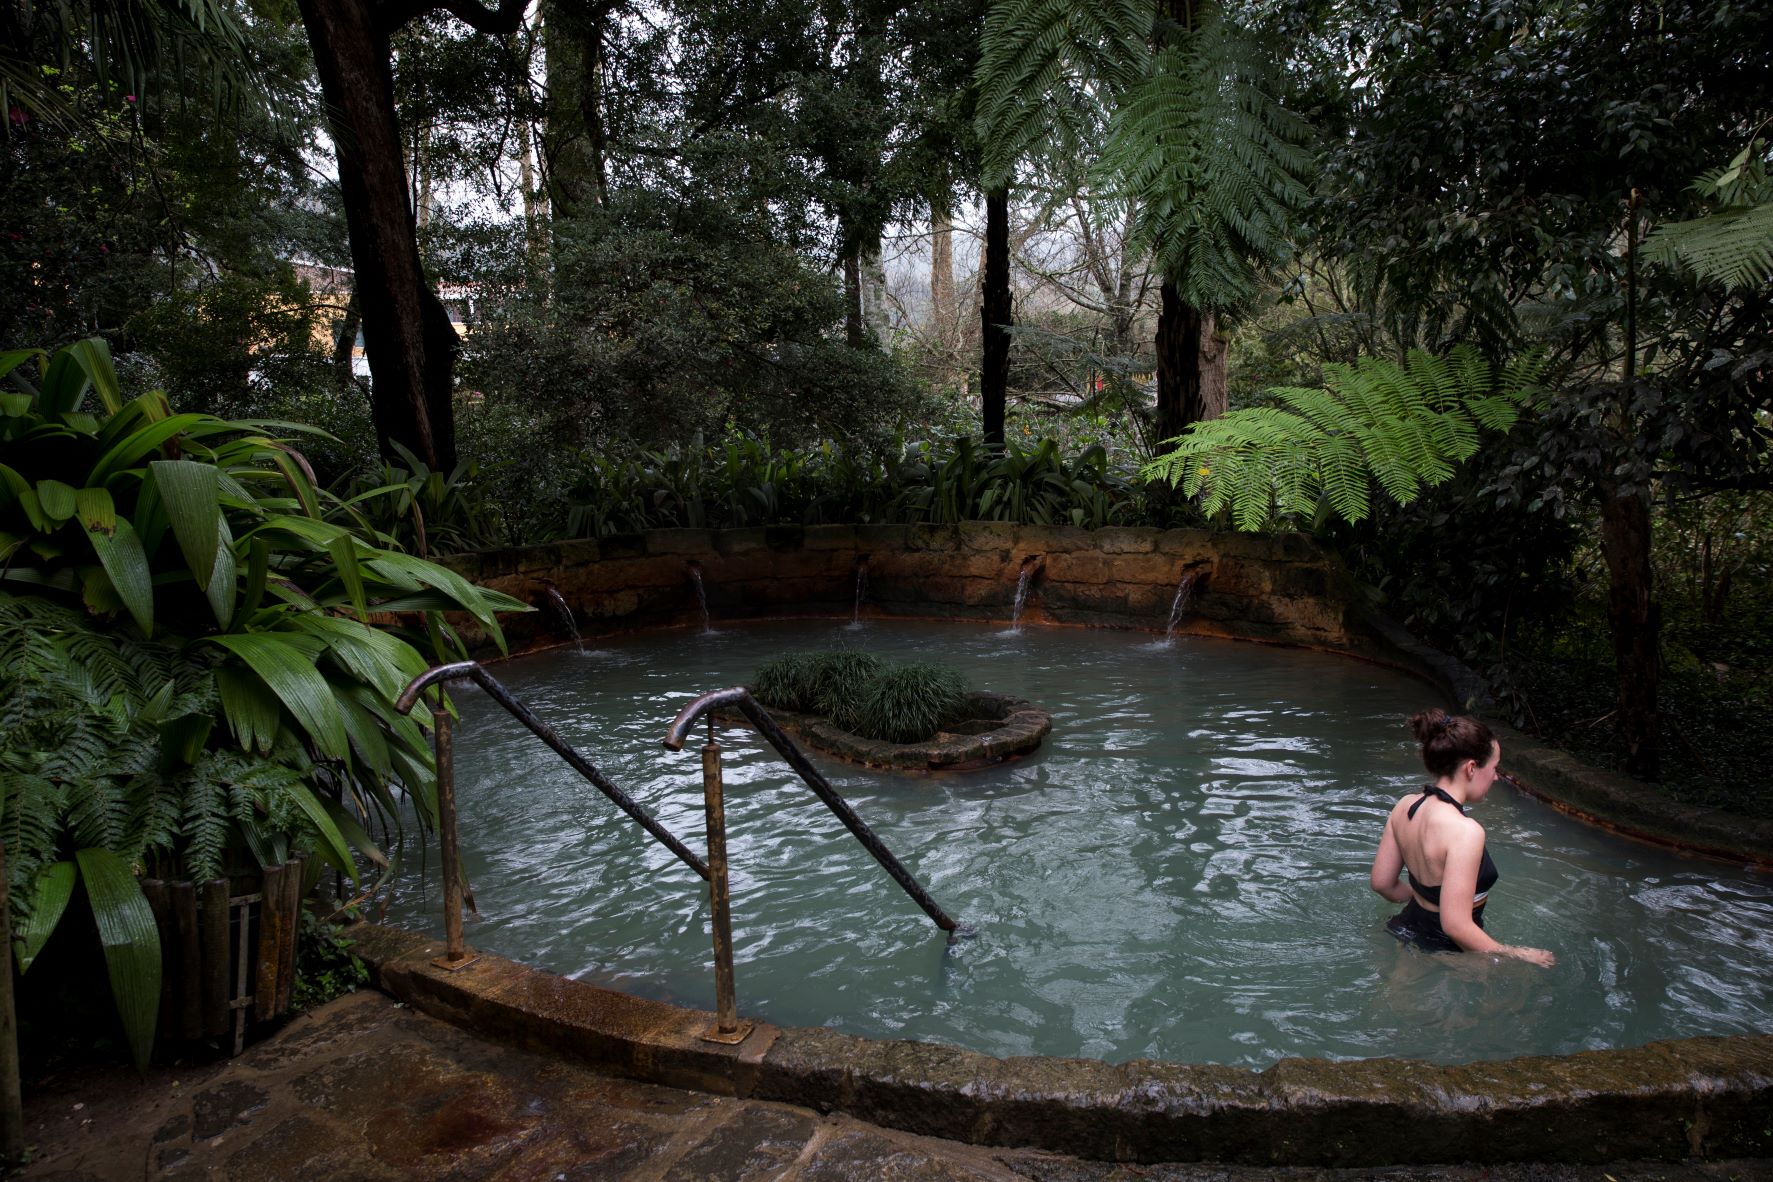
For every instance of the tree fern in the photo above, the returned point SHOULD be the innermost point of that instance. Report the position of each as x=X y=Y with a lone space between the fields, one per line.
x=1401 y=426
x=1212 y=160
x=1046 y=67
x=1733 y=244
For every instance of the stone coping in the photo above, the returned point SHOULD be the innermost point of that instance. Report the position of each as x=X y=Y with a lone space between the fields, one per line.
x=1695 y=1097
x=1017 y=728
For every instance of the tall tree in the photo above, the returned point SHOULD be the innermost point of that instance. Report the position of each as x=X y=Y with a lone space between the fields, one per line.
x=406 y=331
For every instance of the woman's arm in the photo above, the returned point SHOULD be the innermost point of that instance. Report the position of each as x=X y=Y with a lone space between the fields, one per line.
x=1458 y=885
x=1388 y=868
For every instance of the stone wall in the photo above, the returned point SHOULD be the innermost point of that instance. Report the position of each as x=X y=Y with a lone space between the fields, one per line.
x=1282 y=589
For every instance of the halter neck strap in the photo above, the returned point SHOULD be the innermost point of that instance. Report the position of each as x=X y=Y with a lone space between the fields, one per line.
x=1438 y=793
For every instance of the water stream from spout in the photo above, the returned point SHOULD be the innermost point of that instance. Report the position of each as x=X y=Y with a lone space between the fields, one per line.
x=1179 y=606
x=566 y=614
x=861 y=592
x=701 y=597
x=1022 y=582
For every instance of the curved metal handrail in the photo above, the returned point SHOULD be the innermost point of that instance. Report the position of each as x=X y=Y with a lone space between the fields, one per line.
x=472 y=671
x=741 y=698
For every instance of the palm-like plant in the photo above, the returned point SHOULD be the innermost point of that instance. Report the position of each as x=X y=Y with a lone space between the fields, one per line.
x=202 y=556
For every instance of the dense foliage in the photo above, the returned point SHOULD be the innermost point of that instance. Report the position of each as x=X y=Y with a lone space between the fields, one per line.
x=191 y=681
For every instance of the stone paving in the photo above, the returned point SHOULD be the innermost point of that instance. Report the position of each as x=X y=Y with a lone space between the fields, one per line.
x=367 y=1089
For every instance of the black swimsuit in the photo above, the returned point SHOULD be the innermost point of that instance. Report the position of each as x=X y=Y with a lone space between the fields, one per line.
x=1416 y=924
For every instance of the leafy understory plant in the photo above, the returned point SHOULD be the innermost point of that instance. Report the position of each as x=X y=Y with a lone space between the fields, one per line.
x=1403 y=425
x=191 y=681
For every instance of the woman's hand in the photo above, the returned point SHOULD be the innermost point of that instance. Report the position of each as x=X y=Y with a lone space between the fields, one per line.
x=1538 y=956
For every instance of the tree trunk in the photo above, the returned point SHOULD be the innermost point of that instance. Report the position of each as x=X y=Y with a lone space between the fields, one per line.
x=407 y=332
x=944 y=313
x=573 y=139
x=875 y=318
x=942 y=316
x=853 y=331
x=1214 y=393
x=1635 y=621
x=344 y=345
x=995 y=315
x=1178 y=363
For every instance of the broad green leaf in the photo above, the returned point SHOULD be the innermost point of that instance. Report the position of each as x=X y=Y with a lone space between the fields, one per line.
x=188 y=492
x=27 y=500
x=367 y=737
x=134 y=446
x=250 y=708
x=11 y=359
x=64 y=384
x=224 y=580
x=121 y=554
x=96 y=509
x=131 y=944
x=378 y=658
x=56 y=500
x=300 y=477
x=285 y=662
x=344 y=556
x=182 y=740
x=355 y=835
x=258 y=565
x=14 y=405
x=55 y=886
x=93 y=356
x=332 y=843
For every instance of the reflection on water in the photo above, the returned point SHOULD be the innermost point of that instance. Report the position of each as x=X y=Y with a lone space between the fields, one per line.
x=1180 y=872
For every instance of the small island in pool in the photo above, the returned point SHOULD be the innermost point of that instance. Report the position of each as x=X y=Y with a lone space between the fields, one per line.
x=910 y=717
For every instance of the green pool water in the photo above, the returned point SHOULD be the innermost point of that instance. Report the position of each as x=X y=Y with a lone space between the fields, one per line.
x=1179 y=873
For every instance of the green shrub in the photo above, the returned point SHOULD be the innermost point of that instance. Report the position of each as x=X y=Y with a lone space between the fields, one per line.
x=841 y=680
x=863 y=694
x=910 y=703
x=787 y=682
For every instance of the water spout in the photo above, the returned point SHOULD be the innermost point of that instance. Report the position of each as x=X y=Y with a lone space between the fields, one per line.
x=861 y=590
x=1029 y=566
x=1179 y=606
x=566 y=614
x=695 y=574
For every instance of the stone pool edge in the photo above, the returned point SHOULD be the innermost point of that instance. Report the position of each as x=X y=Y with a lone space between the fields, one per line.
x=1672 y=1100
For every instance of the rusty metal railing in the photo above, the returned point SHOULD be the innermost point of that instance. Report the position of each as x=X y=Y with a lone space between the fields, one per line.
x=444 y=739
x=727 y=1027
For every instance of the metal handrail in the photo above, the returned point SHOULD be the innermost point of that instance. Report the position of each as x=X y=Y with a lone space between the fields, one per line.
x=739 y=697
x=472 y=671
x=727 y=1027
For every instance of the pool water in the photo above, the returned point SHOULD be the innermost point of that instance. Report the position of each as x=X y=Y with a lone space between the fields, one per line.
x=1179 y=873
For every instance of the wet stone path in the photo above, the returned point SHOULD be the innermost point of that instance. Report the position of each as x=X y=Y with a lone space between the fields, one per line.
x=365 y=1089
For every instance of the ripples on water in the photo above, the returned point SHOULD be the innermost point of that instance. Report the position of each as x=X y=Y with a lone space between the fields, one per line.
x=1179 y=873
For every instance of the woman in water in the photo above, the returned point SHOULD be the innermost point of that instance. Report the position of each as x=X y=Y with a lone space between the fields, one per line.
x=1429 y=835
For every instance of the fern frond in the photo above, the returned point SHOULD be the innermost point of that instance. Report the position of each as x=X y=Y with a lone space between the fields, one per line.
x=1400 y=426
x=1731 y=246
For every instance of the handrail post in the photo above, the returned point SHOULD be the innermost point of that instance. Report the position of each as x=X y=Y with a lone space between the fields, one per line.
x=458 y=955
x=727 y=1028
